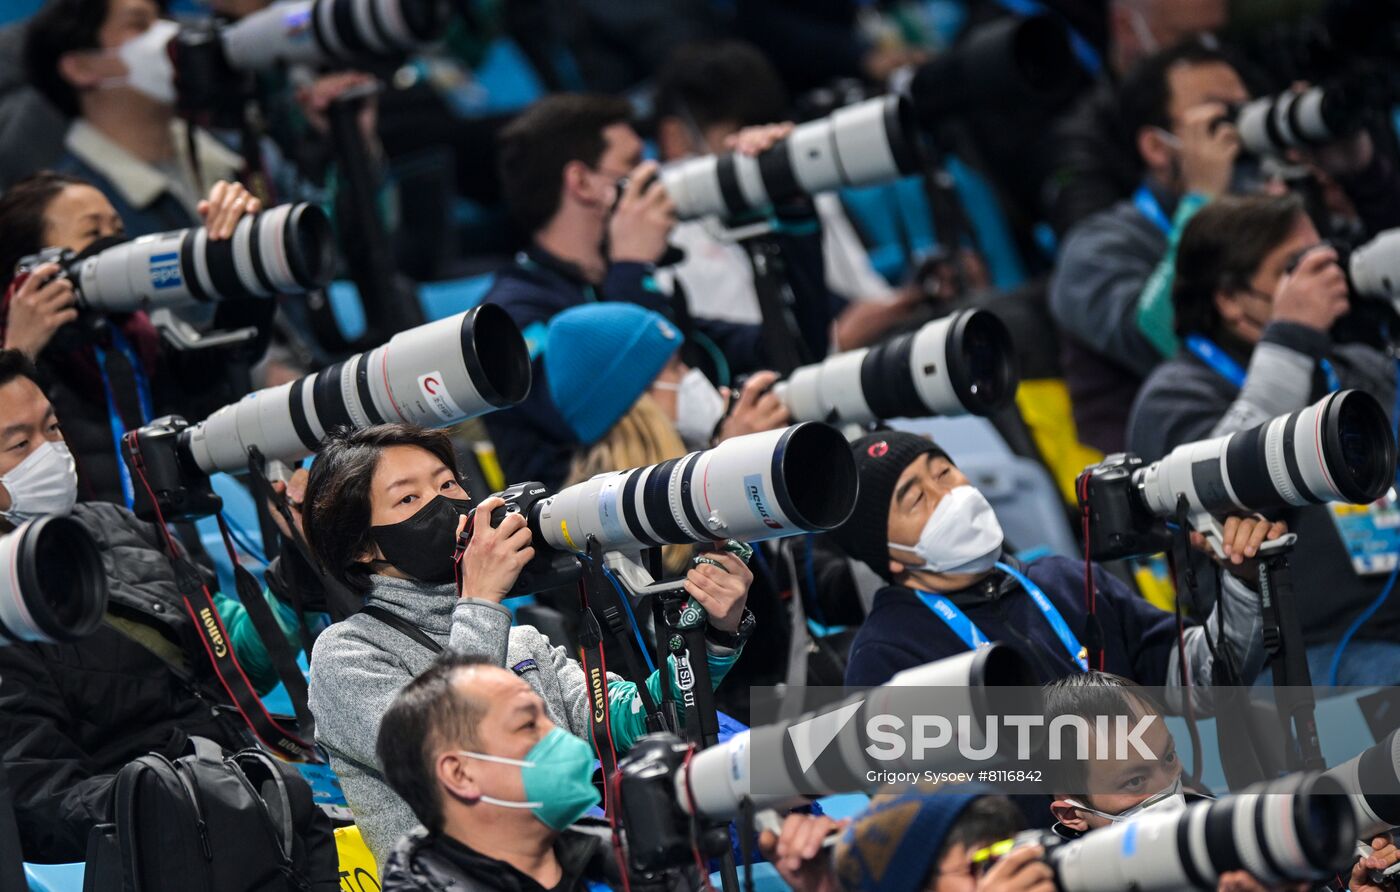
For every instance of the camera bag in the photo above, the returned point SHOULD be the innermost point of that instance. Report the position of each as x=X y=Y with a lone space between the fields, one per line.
x=212 y=822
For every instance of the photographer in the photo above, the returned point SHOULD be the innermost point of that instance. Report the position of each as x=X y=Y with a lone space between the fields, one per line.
x=71 y=715
x=1094 y=162
x=104 y=63
x=1255 y=296
x=1128 y=787
x=562 y=163
x=494 y=782
x=705 y=95
x=108 y=373
x=384 y=509
x=632 y=402
x=1171 y=105
x=913 y=841
x=923 y=528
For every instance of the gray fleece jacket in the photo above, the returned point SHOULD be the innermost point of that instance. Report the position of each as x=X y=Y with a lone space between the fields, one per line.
x=359 y=665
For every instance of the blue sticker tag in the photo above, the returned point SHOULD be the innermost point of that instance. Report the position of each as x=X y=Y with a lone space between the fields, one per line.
x=1129 y=840
x=758 y=503
x=165 y=271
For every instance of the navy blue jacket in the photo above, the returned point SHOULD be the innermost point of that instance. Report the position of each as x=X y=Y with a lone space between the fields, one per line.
x=533 y=442
x=902 y=632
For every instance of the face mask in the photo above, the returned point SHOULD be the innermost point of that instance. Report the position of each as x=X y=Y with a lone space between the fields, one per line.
x=1168 y=800
x=558 y=776
x=699 y=408
x=423 y=545
x=962 y=535
x=148 y=67
x=45 y=483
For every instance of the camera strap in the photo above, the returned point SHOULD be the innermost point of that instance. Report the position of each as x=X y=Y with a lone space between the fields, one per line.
x=280 y=653
x=217 y=643
x=114 y=415
x=782 y=338
x=595 y=670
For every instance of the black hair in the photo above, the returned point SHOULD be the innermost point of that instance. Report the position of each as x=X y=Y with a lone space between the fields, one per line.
x=537 y=146
x=22 y=210
x=14 y=364
x=1089 y=695
x=986 y=819
x=1144 y=97
x=1221 y=249
x=337 y=500
x=427 y=715
x=713 y=82
x=61 y=26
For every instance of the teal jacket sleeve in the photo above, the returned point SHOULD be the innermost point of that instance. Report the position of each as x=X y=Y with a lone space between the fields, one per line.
x=252 y=653
x=628 y=718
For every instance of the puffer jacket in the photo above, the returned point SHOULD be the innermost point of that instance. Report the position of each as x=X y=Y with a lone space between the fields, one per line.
x=71 y=715
x=424 y=863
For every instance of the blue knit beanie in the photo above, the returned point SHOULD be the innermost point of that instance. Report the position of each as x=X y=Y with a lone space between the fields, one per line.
x=600 y=357
x=894 y=844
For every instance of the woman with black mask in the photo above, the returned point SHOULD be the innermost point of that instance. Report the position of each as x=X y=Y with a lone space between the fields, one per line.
x=383 y=510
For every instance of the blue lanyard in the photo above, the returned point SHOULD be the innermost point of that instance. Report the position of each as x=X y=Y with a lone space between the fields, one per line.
x=973 y=637
x=1151 y=208
x=114 y=418
x=1220 y=362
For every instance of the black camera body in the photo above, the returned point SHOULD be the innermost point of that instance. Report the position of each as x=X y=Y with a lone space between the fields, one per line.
x=1120 y=526
x=156 y=454
x=62 y=256
x=658 y=830
x=549 y=568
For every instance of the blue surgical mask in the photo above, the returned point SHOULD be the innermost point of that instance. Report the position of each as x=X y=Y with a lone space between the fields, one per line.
x=558 y=776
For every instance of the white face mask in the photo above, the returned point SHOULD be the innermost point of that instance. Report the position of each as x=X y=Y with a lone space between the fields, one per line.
x=962 y=535
x=148 y=66
x=699 y=408
x=44 y=484
x=1167 y=800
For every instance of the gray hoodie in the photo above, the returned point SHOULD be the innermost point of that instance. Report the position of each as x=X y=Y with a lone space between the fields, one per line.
x=359 y=665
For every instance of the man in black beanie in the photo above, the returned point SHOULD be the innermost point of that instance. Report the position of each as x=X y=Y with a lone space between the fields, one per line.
x=926 y=530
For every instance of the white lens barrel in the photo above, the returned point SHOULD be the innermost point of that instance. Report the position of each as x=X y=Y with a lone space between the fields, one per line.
x=1253 y=125
x=693 y=185
x=1308 y=123
x=144 y=273
x=830 y=750
x=1375 y=266
x=1104 y=861
x=52 y=584
x=930 y=368
x=435 y=375
x=1372 y=781
x=811 y=155
x=282 y=33
x=759 y=486
x=828 y=391
x=1163 y=481
x=863 y=145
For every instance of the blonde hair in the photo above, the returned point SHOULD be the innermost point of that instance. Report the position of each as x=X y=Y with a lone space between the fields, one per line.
x=643 y=436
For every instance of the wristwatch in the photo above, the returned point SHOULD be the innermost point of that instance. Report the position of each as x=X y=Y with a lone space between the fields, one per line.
x=732 y=640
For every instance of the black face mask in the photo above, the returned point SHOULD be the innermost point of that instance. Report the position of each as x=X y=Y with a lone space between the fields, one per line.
x=422 y=546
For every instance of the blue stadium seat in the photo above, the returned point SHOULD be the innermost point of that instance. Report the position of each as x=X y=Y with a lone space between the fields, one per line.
x=54 y=877
x=348 y=309
x=242 y=515
x=443 y=299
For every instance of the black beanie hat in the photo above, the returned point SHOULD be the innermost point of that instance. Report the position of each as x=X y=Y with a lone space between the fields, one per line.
x=880 y=458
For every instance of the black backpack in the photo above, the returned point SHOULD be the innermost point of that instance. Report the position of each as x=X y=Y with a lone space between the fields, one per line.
x=212 y=822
